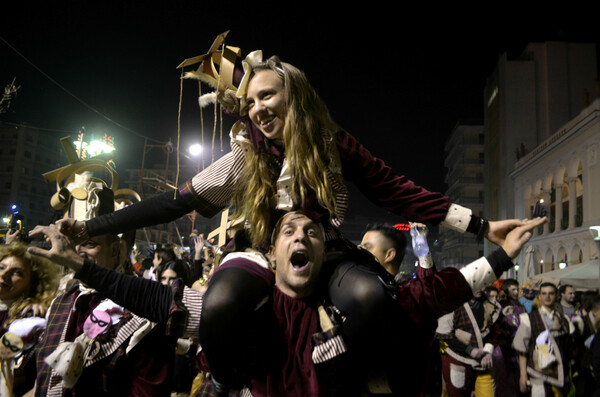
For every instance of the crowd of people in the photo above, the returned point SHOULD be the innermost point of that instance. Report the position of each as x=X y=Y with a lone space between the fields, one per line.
x=519 y=340
x=288 y=306
x=490 y=344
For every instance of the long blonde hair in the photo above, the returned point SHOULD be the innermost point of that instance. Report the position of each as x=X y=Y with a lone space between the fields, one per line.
x=44 y=279
x=308 y=128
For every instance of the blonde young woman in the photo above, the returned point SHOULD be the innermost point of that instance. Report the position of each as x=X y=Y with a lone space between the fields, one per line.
x=25 y=280
x=286 y=154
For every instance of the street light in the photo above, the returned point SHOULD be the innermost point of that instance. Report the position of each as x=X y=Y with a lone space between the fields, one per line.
x=195 y=149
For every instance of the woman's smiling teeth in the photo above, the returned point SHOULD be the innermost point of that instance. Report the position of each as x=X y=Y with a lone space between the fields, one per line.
x=265 y=121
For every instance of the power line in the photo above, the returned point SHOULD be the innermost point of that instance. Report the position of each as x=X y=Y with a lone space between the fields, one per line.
x=74 y=96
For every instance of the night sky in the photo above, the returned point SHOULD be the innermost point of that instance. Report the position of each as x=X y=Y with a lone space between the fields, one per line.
x=398 y=81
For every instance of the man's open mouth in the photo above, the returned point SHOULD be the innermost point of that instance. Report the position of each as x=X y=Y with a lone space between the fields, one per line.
x=299 y=260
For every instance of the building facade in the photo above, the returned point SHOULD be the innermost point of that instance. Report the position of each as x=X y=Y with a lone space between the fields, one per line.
x=563 y=174
x=26 y=153
x=465 y=164
x=526 y=101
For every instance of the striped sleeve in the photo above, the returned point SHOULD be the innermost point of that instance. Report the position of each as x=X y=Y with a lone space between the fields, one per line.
x=192 y=300
x=212 y=189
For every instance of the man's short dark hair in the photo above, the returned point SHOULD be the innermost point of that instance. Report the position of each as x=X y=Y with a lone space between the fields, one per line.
x=563 y=288
x=166 y=254
x=397 y=237
x=548 y=284
x=509 y=282
x=490 y=288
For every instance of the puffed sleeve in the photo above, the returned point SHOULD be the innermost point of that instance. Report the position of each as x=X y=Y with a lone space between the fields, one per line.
x=396 y=193
x=209 y=191
x=381 y=185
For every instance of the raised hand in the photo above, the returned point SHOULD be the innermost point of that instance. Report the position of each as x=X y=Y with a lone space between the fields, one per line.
x=517 y=237
x=499 y=229
x=62 y=251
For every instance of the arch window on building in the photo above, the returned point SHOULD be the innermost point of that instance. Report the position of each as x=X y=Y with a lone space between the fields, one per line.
x=548 y=264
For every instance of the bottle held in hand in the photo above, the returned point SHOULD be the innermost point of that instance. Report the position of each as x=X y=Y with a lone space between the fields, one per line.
x=419 y=241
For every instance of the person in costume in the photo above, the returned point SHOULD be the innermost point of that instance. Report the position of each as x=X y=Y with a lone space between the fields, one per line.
x=506 y=359
x=470 y=334
x=25 y=279
x=388 y=245
x=544 y=341
x=184 y=363
x=299 y=334
x=527 y=295
x=287 y=153
x=93 y=346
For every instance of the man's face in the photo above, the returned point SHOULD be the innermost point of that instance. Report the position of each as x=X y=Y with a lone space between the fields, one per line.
x=298 y=254
x=377 y=244
x=547 y=297
x=103 y=250
x=569 y=295
x=513 y=292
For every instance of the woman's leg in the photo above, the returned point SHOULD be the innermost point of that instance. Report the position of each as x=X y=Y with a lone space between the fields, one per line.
x=357 y=291
x=231 y=297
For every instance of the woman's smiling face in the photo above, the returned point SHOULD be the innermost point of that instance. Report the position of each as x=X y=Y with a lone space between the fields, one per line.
x=266 y=103
x=15 y=277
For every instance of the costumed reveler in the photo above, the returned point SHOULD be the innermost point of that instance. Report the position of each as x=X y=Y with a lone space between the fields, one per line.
x=93 y=346
x=286 y=154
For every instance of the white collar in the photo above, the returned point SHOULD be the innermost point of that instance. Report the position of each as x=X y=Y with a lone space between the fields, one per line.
x=549 y=313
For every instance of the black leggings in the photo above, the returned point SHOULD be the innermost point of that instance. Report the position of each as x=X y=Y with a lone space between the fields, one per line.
x=356 y=288
x=228 y=303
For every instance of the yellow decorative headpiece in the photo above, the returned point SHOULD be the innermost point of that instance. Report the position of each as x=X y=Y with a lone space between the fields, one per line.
x=218 y=54
x=81 y=195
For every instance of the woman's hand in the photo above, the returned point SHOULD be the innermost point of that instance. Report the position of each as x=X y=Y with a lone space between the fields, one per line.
x=38 y=309
x=518 y=236
x=62 y=251
x=498 y=230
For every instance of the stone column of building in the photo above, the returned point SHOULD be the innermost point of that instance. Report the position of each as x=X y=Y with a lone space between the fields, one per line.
x=572 y=201
x=558 y=208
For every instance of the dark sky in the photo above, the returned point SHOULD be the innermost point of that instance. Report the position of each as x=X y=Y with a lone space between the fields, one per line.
x=397 y=80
